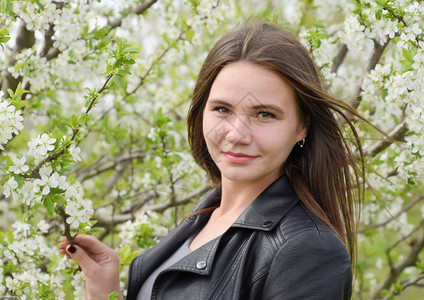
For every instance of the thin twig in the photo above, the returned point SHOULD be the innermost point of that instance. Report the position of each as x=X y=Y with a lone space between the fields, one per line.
x=397 y=134
x=121 y=218
x=395 y=216
x=67 y=231
x=137 y=10
x=408 y=260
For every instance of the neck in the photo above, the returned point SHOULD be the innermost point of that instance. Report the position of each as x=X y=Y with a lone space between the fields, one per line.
x=236 y=196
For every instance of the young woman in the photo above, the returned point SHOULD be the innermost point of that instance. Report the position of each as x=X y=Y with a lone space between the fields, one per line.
x=280 y=223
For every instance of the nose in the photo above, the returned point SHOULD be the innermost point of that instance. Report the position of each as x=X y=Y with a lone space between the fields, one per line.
x=238 y=132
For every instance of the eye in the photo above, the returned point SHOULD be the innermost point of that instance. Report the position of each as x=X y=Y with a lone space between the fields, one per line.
x=222 y=110
x=265 y=115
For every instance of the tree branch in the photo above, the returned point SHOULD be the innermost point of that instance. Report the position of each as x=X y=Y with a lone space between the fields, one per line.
x=338 y=60
x=24 y=40
x=147 y=73
x=409 y=260
x=377 y=52
x=407 y=284
x=397 y=134
x=137 y=10
x=119 y=170
x=103 y=221
x=67 y=231
x=93 y=170
x=394 y=217
x=48 y=41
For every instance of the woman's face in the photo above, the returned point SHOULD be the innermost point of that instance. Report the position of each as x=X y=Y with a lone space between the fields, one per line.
x=250 y=123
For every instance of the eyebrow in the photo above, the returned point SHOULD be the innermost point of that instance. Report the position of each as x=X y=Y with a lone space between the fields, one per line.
x=255 y=107
x=269 y=106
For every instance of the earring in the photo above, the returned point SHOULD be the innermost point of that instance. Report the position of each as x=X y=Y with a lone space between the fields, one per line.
x=301 y=144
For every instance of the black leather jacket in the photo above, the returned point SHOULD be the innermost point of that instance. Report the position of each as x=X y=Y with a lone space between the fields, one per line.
x=277 y=249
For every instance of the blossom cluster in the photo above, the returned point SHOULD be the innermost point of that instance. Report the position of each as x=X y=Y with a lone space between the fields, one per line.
x=10 y=121
x=79 y=209
x=130 y=230
x=22 y=254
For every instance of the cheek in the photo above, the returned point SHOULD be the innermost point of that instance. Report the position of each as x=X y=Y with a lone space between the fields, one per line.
x=213 y=129
x=280 y=146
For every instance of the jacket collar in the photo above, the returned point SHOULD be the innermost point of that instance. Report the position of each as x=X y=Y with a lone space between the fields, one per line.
x=266 y=210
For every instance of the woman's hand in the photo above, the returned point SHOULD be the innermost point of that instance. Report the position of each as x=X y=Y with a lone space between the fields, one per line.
x=99 y=263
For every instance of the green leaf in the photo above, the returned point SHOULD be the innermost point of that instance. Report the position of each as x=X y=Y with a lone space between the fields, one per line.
x=397 y=286
x=378 y=13
x=129 y=61
x=407 y=55
x=113 y=296
x=5 y=177
x=83 y=119
x=49 y=205
x=15 y=97
x=104 y=30
x=73 y=121
x=407 y=62
x=275 y=18
x=19 y=180
x=131 y=50
x=10 y=238
x=95 y=229
x=6 y=7
x=384 y=93
x=119 y=81
x=109 y=68
x=4 y=36
x=126 y=256
x=40 y=6
x=189 y=34
x=117 y=64
x=58 y=199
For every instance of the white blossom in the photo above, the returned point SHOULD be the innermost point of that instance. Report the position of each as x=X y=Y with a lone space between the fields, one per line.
x=46 y=182
x=43 y=226
x=21 y=229
x=40 y=145
x=19 y=166
x=79 y=209
x=75 y=151
x=10 y=122
x=28 y=193
x=9 y=187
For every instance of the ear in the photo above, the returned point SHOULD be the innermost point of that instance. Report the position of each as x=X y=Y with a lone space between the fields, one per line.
x=304 y=127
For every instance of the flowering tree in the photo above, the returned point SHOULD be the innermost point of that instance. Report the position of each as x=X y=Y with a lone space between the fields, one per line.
x=93 y=136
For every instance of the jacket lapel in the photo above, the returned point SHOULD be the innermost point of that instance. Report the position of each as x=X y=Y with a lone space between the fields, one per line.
x=267 y=210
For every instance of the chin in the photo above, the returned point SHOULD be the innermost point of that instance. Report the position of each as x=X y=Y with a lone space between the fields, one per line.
x=242 y=177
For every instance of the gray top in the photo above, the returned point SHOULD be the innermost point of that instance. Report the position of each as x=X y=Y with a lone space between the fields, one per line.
x=146 y=289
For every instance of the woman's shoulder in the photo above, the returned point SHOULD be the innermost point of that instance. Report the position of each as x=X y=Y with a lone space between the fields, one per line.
x=300 y=228
x=310 y=261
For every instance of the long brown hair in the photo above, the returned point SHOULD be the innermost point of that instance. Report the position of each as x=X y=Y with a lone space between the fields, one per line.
x=325 y=173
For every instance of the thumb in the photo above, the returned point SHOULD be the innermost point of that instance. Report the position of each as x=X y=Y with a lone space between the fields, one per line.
x=81 y=257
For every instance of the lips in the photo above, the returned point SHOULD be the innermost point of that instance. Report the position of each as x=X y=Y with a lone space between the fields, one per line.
x=238 y=158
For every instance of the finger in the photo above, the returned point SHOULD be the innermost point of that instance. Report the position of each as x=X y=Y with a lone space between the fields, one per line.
x=91 y=244
x=64 y=243
x=63 y=252
x=81 y=258
x=86 y=293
